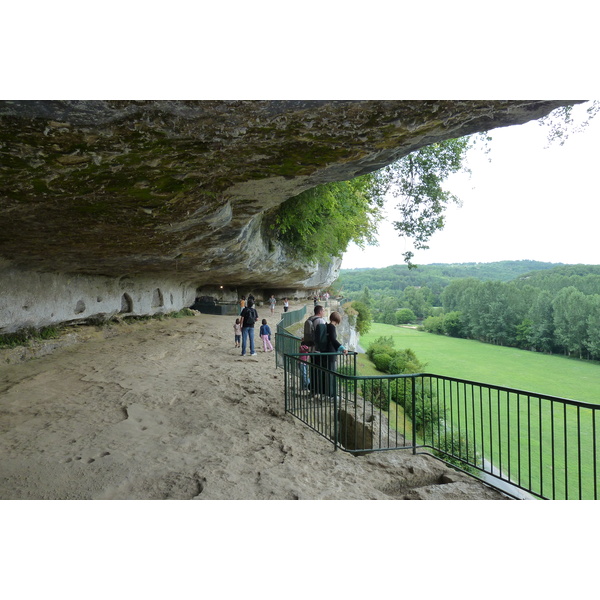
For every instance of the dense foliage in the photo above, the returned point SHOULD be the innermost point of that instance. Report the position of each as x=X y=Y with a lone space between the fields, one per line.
x=391 y=291
x=416 y=183
x=555 y=311
x=389 y=360
x=434 y=276
x=429 y=415
x=319 y=223
x=400 y=391
x=363 y=316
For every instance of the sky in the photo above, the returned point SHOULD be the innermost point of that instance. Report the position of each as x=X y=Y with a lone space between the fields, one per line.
x=525 y=199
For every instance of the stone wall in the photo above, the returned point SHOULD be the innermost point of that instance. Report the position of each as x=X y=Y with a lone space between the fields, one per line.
x=31 y=299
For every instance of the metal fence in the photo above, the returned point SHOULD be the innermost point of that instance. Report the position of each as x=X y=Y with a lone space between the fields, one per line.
x=285 y=342
x=512 y=439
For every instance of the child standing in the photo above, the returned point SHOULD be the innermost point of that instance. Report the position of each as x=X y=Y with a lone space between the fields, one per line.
x=304 y=349
x=237 y=331
x=265 y=334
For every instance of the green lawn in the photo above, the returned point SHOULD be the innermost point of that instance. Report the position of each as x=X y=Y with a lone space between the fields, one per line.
x=517 y=433
x=496 y=365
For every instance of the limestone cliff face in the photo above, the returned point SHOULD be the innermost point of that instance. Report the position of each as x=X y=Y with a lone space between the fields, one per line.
x=176 y=191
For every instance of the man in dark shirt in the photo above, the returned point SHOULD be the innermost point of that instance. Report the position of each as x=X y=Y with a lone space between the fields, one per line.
x=248 y=318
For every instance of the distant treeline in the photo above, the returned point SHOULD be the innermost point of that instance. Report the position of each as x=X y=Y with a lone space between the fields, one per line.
x=555 y=310
x=435 y=276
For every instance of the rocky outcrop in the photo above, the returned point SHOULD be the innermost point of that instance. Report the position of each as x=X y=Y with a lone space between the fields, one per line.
x=171 y=195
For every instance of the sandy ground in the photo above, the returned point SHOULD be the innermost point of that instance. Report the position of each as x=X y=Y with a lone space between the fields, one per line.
x=170 y=410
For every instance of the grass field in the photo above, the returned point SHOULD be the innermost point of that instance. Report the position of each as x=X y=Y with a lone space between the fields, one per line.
x=550 y=447
x=496 y=365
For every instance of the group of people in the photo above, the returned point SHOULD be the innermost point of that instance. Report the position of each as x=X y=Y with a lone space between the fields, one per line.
x=324 y=296
x=272 y=303
x=244 y=325
x=320 y=343
x=243 y=329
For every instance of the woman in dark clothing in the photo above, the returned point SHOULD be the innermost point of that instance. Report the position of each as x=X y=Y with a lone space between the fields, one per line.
x=333 y=345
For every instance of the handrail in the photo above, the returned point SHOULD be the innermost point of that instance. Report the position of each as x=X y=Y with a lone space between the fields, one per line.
x=285 y=342
x=512 y=439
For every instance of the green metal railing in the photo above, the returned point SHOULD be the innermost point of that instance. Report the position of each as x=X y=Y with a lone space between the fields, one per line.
x=512 y=439
x=285 y=342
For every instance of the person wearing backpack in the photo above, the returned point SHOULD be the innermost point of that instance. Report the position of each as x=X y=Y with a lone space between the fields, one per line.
x=310 y=326
x=333 y=345
x=315 y=333
x=248 y=318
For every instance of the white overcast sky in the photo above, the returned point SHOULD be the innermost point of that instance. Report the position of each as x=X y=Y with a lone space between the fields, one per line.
x=531 y=201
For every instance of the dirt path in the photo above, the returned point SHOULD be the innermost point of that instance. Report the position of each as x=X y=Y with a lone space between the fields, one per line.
x=169 y=409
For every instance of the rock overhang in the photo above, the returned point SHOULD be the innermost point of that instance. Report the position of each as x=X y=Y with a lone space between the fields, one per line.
x=178 y=189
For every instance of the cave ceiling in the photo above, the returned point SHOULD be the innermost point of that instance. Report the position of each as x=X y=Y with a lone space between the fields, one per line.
x=179 y=188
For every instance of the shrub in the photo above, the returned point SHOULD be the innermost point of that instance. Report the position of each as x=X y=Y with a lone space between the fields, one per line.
x=450 y=441
x=453 y=325
x=25 y=336
x=405 y=361
x=434 y=325
x=377 y=392
x=428 y=414
x=184 y=312
x=381 y=345
x=382 y=361
x=405 y=315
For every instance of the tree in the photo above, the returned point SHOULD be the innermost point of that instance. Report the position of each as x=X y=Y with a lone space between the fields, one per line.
x=523 y=336
x=541 y=315
x=319 y=223
x=416 y=181
x=388 y=317
x=363 y=319
x=561 y=123
x=405 y=315
x=434 y=325
x=452 y=296
x=571 y=310
x=453 y=325
x=366 y=297
x=418 y=300
x=592 y=340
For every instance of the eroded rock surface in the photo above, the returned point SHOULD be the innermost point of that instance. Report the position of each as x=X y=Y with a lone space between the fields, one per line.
x=178 y=190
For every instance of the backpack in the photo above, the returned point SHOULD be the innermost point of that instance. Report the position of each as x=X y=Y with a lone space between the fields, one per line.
x=250 y=317
x=311 y=335
x=321 y=338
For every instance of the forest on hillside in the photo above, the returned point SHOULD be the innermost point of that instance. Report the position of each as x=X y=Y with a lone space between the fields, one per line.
x=434 y=276
x=550 y=308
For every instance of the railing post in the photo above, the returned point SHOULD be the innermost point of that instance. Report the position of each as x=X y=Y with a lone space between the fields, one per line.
x=285 y=384
x=335 y=420
x=413 y=416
